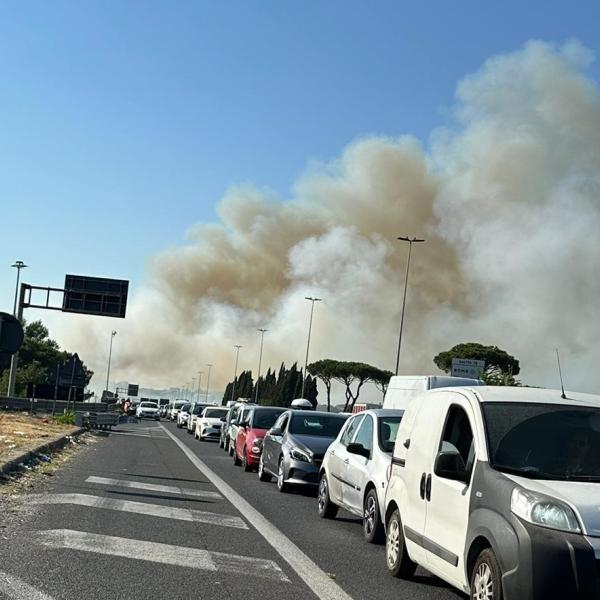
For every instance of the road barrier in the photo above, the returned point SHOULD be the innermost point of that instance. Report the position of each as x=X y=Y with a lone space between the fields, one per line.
x=44 y=405
x=96 y=420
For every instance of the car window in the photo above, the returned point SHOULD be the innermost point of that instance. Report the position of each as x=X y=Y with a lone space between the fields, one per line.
x=351 y=429
x=281 y=422
x=365 y=433
x=388 y=428
x=307 y=423
x=185 y=407
x=458 y=436
x=215 y=413
x=264 y=418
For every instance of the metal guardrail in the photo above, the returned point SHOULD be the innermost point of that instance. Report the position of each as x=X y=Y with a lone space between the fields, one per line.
x=44 y=405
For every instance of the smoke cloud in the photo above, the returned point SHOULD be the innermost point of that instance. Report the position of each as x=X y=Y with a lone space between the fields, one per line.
x=508 y=200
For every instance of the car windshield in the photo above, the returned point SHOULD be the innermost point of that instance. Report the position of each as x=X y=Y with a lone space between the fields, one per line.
x=544 y=441
x=179 y=404
x=388 y=428
x=149 y=405
x=185 y=407
x=198 y=408
x=318 y=425
x=215 y=413
x=265 y=419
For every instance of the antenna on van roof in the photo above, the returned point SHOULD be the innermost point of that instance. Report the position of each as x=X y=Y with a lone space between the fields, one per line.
x=562 y=387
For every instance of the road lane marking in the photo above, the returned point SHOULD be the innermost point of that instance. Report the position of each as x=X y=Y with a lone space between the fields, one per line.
x=142 y=508
x=16 y=589
x=161 y=553
x=153 y=487
x=312 y=575
x=144 y=435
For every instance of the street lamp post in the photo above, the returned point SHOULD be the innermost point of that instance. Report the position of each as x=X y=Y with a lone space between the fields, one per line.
x=410 y=241
x=209 y=365
x=237 y=356
x=19 y=264
x=312 y=308
x=262 y=339
x=200 y=373
x=112 y=335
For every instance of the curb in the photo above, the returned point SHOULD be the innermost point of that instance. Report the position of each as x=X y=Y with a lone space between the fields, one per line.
x=16 y=463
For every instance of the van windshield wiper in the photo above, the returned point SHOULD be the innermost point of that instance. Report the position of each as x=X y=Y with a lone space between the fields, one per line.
x=530 y=473
x=594 y=478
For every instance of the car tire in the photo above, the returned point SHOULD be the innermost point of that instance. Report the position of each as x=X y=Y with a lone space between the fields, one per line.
x=231 y=448
x=372 y=525
x=221 y=443
x=262 y=474
x=282 y=486
x=397 y=560
x=486 y=579
x=236 y=461
x=247 y=467
x=327 y=509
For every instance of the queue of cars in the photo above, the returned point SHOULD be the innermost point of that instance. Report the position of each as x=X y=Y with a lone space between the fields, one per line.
x=494 y=490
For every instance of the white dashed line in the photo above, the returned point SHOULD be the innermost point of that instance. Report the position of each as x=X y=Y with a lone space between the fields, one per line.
x=161 y=553
x=153 y=487
x=142 y=508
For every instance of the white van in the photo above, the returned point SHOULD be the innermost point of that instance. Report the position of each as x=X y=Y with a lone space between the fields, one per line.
x=402 y=388
x=497 y=491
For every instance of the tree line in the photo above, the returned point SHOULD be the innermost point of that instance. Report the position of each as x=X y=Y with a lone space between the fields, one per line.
x=38 y=358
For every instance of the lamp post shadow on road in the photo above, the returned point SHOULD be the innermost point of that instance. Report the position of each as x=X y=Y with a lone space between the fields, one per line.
x=410 y=241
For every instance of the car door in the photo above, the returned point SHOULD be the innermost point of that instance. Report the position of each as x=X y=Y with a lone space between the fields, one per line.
x=357 y=467
x=449 y=499
x=243 y=432
x=338 y=459
x=272 y=443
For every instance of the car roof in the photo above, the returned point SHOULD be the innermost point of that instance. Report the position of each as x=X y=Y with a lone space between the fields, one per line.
x=382 y=412
x=315 y=412
x=529 y=395
x=281 y=408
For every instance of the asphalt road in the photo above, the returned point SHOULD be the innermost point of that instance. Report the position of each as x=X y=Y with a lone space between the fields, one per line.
x=137 y=516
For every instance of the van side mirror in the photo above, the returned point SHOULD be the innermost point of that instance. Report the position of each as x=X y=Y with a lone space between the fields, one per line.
x=359 y=449
x=449 y=464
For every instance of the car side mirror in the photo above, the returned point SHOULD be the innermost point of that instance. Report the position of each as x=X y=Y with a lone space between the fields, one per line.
x=449 y=464
x=359 y=449
x=276 y=432
x=223 y=419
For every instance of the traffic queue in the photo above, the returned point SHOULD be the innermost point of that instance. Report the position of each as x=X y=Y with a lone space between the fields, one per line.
x=493 y=489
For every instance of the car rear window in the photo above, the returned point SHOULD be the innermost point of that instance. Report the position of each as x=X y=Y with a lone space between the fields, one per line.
x=265 y=419
x=388 y=428
x=317 y=425
x=215 y=413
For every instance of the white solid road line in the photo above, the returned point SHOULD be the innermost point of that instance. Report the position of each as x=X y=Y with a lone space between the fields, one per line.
x=154 y=487
x=314 y=577
x=142 y=508
x=14 y=588
x=162 y=553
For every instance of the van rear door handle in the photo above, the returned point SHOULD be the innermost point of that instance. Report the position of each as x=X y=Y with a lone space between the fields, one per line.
x=346 y=461
x=428 y=488
x=422 y=486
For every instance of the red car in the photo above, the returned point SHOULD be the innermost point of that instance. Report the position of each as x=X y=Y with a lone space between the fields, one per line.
x=248 y=443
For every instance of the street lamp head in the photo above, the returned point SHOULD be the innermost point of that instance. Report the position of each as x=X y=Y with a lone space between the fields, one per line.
x=411 y=240
x=19 y=264
x=315 y=299
x=262 y=330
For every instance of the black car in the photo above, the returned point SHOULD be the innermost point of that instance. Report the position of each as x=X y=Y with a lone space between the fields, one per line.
x=294 y=447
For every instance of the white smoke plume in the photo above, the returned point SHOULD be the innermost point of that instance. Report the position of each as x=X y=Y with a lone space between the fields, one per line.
x=508 y=201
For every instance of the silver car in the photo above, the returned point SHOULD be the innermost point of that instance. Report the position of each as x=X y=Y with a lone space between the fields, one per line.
x=354 y=472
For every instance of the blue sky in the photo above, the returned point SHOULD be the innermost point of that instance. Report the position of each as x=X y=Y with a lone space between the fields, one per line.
x=123 y=123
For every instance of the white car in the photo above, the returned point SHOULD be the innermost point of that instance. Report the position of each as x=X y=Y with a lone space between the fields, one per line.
x=208 y=424
x=183 y=415
x=240 y=412
x=194 y=412
x=496 y=491
x=354 y=472
x=147 y=410
x=174 y=409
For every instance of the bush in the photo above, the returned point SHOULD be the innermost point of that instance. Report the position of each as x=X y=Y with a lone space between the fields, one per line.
x=67 y=418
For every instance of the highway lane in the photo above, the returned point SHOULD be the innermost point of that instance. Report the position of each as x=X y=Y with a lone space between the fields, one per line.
x=336 y=546
x=132 y=517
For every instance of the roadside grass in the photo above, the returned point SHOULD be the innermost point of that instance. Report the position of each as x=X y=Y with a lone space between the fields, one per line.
x=20 y=432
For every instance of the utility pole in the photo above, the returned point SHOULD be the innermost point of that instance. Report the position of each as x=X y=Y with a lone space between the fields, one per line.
x=14 y=359
x=410 y=241
x=312 y=308
x=112 y=335
x=262 y=339
x=237 y=356
x=19 y=264
x=209 y=365
x=200 y=373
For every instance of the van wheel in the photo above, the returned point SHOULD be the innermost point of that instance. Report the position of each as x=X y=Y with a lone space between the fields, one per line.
x=262 y=474
x=372 y=526
x=327 y=509
x=396 y=557
x=486 y=580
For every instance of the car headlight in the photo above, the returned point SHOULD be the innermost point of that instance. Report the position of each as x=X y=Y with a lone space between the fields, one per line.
x=298 y=454
x=543 y=510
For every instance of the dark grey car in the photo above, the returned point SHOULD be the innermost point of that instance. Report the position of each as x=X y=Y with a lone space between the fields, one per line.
x=294 y=447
